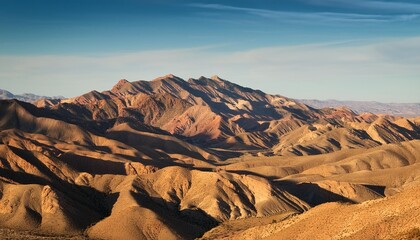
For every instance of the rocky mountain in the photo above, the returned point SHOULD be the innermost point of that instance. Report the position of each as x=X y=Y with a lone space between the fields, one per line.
x=27 y=97
x=398 y=109
x=176 y=159
x=217 y=114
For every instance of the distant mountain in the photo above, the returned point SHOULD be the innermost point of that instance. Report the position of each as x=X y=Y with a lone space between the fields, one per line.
x=25 y=97
x=400 y=109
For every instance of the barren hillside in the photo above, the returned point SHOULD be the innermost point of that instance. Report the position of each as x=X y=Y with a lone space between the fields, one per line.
x=176 y=159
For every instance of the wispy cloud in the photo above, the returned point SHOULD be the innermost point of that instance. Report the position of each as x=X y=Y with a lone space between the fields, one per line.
x=309 y=16
x=396 y=6
x=382 y=70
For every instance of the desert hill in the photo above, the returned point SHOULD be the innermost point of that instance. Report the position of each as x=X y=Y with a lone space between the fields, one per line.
x=395 y=217
x=176 y=159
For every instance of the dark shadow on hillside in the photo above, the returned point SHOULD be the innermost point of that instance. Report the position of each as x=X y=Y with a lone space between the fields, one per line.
x=189 y=223
x=139 y=141
x=309 y=150
x=100 y=166
x=69 y=113
x=310 y=192
x=83 y=196
x=93 y=165
x=246 y=172
x=376 y=188
x=299 y=188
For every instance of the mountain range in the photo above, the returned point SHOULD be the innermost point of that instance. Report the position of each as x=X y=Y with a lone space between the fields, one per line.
x=25 y=97
x=398 y=109
x=181 y=159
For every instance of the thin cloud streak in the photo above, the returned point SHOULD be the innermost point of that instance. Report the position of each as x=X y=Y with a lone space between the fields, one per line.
x=398 y=7
x=383 y=71
x=310 y=17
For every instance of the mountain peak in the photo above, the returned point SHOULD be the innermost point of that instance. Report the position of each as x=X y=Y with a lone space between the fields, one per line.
x=5 y=94
x=212 y=81
x=122 y=81
x=167 y=76
x=217 y=78
x=170 y=75
x=117 y=87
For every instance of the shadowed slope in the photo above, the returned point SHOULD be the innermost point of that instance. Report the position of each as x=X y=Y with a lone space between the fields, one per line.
x=396 y=217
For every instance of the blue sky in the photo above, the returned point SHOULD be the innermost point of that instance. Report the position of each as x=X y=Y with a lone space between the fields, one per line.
x=323 y=49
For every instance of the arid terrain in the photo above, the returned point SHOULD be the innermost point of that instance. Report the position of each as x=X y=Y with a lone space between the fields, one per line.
x=204 y=158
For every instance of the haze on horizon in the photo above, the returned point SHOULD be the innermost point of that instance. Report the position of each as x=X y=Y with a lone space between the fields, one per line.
x=313 y=49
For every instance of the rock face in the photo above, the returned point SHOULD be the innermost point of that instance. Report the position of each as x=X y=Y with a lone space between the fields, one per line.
x=172 y=159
